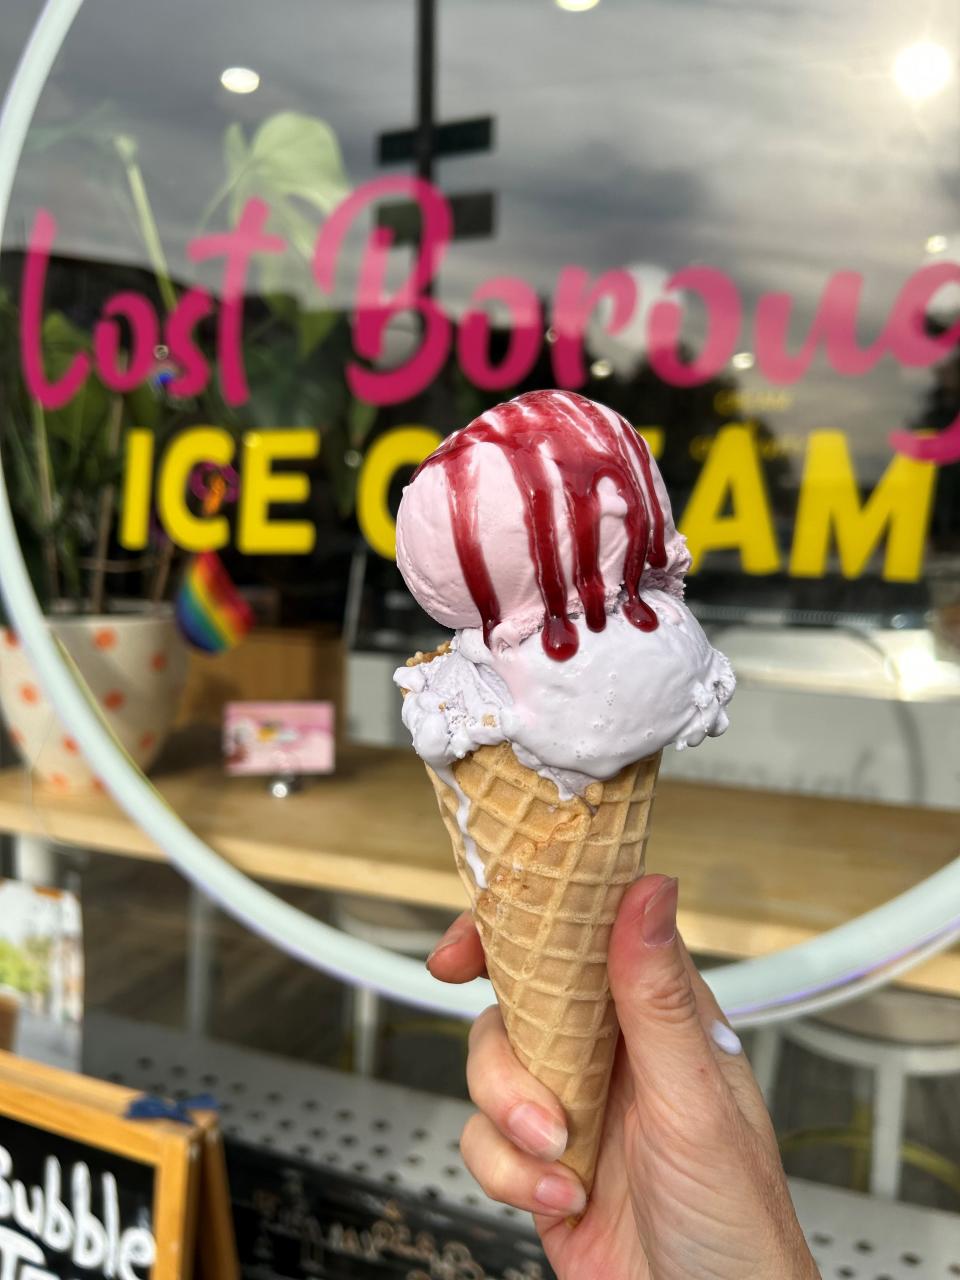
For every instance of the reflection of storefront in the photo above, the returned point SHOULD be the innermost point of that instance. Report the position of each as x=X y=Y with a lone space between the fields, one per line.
x=714 y=279
x=795 y=375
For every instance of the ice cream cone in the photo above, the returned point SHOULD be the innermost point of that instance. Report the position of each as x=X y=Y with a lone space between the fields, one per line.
x=552 y=875
x=541 y=534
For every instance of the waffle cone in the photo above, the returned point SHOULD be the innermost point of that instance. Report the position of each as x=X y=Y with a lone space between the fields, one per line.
x=555 y=874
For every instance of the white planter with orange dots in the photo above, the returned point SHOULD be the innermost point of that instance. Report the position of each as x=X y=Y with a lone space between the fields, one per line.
x=134 y=666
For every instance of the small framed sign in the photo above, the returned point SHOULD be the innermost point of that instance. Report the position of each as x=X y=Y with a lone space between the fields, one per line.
x=86 y=1191
x=278 y=738
x=41 y=973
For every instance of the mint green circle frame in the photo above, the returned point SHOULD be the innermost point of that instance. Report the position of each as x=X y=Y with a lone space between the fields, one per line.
x=836 y=966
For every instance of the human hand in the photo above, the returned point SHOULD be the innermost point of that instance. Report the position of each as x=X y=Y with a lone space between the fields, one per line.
x=689 y=1183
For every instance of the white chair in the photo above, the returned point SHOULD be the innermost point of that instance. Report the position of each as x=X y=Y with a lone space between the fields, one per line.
x=890 y=1037
x=397 y=926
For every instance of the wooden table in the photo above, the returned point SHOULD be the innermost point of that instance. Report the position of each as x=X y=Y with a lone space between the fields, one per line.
x=758 y=871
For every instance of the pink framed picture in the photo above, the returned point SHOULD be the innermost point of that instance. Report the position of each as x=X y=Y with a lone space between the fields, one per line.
x=274 y=738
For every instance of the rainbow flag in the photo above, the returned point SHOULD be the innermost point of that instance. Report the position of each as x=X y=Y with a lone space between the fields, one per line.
x=211 y=613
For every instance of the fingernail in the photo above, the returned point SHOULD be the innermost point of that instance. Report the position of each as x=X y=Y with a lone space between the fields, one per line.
x=725 y=1038
x=659 y=924
x=448 y=940
x=536 y=1131
x=560 y=1194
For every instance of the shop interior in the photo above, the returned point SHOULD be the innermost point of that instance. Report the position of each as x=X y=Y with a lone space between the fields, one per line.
x=789 y=149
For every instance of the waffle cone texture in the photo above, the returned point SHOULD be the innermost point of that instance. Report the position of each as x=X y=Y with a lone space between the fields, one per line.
x=555 y=874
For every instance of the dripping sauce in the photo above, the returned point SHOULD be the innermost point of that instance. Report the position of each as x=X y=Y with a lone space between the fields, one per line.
x=586 y=447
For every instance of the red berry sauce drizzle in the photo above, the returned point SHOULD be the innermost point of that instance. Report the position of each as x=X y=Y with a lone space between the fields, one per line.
x=586 y=446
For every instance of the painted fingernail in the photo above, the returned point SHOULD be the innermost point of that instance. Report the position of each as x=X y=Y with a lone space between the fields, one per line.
x=659 y=924
x=560 y=1194
x=725 y=1038
x=536 y=1131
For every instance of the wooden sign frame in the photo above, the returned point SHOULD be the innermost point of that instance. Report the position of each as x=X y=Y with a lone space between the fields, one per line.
x=187 y=1160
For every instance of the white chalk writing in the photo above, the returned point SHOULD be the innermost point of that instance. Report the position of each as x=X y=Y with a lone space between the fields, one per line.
x=70 y=1228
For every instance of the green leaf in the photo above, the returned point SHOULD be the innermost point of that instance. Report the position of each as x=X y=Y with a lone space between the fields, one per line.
x=99 y=126
x=294 y=164
x=144 y=407
x=360 y=418
x=290 y=155
x=312 y=328
x=25 y=494
x=234 y=150
x=85 y=415
x=283 y=306
x=236 y=159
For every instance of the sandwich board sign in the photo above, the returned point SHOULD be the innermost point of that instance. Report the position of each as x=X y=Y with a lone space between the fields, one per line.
x=86 y=1192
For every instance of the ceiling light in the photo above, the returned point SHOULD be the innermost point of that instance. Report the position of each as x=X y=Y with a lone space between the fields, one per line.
x=936 y=244
x=743 y=360
x=923 y=69
x=601 y=368
x=240 y=79
x=576 y=6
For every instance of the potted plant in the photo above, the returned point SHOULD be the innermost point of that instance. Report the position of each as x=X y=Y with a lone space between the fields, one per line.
x=110 y=609
x=62 y=470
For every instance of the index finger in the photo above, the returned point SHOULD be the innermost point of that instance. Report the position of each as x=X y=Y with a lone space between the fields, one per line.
x=458 y=956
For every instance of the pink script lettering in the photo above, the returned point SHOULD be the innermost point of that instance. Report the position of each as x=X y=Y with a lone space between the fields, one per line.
x=576 y=297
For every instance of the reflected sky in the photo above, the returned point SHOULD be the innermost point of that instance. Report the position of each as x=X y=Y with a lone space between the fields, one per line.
x=766 y=138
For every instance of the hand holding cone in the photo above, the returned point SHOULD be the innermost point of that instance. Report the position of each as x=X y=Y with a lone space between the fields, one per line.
x=555 y=874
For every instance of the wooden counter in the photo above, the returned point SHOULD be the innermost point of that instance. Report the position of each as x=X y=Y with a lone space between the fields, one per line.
x=757 y=871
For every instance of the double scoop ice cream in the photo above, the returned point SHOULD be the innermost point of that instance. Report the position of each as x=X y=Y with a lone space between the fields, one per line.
x=542 y=535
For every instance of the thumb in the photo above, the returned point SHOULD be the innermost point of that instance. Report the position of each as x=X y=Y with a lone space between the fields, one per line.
x=669 y=1054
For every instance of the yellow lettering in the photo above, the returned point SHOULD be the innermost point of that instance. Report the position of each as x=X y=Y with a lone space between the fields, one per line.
x=257 y=534
x=400 y=447
x=732 y=474
x=199 y=444
x=654 y=437
x=830 y=512
x=700 y=446
x=137 y=481
x=725 y=402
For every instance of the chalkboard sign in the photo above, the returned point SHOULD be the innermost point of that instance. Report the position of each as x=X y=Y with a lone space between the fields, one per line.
x=69 y=1208
x=87 y=1193
x=295 y=1221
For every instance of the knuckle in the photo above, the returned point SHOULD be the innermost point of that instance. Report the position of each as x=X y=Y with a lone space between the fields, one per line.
x=469 y=1138
x=479 y=1087
x=502 y=1179
x=474 y=1084
x=490 y=1166
x=482 y=1025
x=672 y=999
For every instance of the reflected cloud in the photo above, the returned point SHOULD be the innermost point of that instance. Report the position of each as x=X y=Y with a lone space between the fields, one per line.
x=766 y=139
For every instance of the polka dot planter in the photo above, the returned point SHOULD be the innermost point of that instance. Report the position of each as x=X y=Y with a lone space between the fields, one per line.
x=135 y=667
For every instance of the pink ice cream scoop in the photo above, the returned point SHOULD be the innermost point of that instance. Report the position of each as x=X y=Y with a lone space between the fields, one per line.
x=542 y=510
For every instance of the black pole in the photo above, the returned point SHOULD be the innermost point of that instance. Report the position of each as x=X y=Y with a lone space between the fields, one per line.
x=426 y=76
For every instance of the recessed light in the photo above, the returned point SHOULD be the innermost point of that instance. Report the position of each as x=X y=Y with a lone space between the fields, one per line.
x=743 y=360
x=936 y=244
x=240 y=79
x=922 y=69
x=576 y=6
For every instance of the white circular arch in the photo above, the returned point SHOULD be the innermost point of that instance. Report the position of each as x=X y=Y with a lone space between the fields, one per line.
x=860 y=955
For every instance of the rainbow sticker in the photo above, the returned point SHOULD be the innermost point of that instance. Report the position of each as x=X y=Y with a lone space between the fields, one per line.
x=211 y=613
